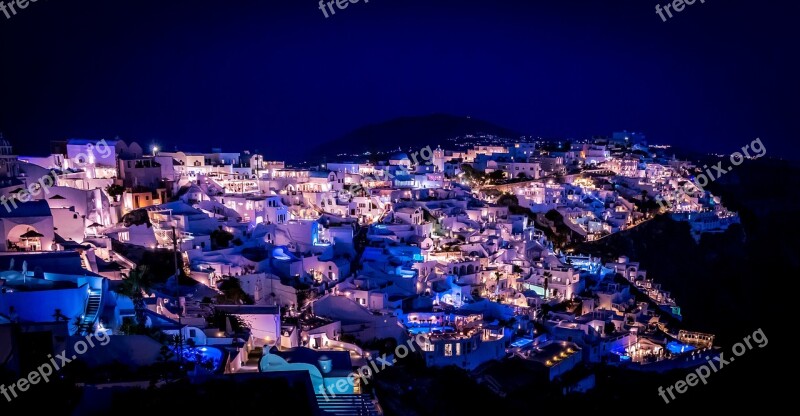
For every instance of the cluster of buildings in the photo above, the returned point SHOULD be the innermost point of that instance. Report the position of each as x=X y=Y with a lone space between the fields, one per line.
x=600 y=186
x=419 y=252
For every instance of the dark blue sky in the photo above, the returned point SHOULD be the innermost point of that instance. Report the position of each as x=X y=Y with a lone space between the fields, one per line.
x=280 y=77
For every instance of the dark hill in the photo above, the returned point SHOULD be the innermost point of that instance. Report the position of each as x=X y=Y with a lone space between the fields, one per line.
x=409 y=133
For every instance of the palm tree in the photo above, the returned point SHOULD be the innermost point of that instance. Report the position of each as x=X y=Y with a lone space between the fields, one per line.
x=547 y=276
x=59 y=316
x=78 y=325
x=497 y=276
x=135 y=285
x=77 y=322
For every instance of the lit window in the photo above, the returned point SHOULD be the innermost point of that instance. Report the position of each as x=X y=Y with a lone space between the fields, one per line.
x=458 y=349
x=448 y=350
x=428 y=346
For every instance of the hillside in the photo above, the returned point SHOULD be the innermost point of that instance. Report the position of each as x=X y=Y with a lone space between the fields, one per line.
x=408 y=133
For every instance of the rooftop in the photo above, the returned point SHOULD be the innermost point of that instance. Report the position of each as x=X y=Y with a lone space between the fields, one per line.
x=38 y=208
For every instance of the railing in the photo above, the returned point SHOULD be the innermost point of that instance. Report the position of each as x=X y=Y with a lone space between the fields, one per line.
x=346 y=346
x=124 y=260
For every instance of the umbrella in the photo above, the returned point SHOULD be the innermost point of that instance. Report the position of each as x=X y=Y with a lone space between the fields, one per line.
x=31 y=234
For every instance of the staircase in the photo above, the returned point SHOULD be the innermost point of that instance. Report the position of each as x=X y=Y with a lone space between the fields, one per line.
x=253 y=359
x=92 y=310
x=347 y=405
x=383 y=216
x=494 y=386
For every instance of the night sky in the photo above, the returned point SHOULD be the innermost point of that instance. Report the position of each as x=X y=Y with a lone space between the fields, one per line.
x=279 y=77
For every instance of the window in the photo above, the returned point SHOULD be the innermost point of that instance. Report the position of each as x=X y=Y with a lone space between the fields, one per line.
x=428 y=346
x=448 y=350
x=192 y=333
x=458 y=349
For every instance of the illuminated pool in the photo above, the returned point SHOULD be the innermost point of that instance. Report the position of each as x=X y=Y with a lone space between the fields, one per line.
x=406 y=273
x=281 y=253
x=676 y=347
x=522 y=342
x=429 y=329
x=209 y=356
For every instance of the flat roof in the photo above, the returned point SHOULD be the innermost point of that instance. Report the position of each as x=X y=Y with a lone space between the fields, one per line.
x=249 y=309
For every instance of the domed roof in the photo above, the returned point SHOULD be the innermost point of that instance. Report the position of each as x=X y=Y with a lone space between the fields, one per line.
x=399 y=156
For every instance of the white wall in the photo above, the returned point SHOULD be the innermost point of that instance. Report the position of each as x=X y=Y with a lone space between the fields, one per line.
x=263 y=327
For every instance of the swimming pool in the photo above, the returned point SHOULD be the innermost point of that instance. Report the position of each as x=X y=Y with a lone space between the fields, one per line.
x=522 y=342
x=676 y=347
x=206 y=355
x=428 y=329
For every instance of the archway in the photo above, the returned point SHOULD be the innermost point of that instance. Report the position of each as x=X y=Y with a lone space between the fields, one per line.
x=23 y=237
